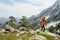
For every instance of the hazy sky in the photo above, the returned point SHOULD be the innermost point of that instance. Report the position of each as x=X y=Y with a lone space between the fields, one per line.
x=18 y=8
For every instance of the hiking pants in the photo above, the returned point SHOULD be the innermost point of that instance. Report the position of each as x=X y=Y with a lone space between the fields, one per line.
x=43 y=28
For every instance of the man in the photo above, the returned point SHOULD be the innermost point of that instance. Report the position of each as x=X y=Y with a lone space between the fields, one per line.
x=43 y=23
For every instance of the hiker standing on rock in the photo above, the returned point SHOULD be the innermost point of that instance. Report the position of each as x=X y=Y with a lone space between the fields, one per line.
x=43 y=24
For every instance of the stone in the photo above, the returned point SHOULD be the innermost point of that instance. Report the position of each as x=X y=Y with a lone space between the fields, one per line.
x=22 y=32
x=22 y=29
x=38 y=30
x=17 y=34
x=32 y=31
x=17 y=30
x=12 y=29
x=19 y=39
x=2 y=30
x=9 y=28
x=37 y=37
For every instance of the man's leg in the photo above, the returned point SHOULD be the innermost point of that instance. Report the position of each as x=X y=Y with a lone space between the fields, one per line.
x=43 y=28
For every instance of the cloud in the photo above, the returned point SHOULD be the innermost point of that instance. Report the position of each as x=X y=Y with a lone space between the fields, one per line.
x=25 y=7
x=38 y=2
x=19 y=9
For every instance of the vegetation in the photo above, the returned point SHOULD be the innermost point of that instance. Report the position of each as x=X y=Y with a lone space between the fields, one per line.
x=47 y=36
x=24 y=22
x=12 y=19
x=12 y=22
x=26 y=36
x=0 y=24
x=51 y=29
x=55 y=29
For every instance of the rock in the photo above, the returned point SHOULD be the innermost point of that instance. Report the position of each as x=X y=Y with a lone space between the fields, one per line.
x=22 y=29
x=17 y=30
x=37 y=37
x=12 y=29
x=32 y=31
x=22 y=32
x=17 y=34
x=19 y=39
x=2 y=30
x=9 y=28
x=6 y=32
x=38 y=30
x=51 y=34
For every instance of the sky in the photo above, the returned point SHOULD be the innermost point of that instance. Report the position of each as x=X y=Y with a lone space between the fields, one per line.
x=19 y=8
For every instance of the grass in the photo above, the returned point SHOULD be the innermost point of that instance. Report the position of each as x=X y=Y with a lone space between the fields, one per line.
x=48 y=37
x=11 y=36
x=26 y=36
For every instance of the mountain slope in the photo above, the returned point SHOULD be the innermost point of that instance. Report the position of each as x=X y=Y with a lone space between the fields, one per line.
x=52 y=13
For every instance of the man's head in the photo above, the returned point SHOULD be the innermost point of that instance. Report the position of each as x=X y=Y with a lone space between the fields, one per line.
x=43 y=17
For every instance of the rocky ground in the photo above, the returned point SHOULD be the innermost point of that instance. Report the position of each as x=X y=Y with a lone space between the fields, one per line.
x=26 y=34
x=37 y=37
x=33 y=35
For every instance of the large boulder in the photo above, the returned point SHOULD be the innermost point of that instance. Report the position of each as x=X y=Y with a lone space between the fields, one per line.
x=9 y=28
x=37 y=37
x=12 y=29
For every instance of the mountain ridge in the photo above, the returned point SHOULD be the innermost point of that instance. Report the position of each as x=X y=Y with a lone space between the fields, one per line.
x=52 y=13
